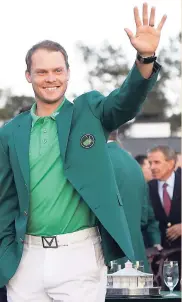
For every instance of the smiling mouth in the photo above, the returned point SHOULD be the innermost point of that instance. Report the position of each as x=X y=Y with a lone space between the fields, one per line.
x=51 y=88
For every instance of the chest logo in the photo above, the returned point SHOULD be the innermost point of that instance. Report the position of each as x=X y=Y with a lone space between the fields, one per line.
x=87 y=141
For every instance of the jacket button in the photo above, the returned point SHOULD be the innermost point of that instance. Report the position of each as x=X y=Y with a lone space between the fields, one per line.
x=25 y=213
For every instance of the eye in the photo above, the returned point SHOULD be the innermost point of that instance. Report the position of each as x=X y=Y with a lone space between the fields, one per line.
x=41 y=72
x=59 y=70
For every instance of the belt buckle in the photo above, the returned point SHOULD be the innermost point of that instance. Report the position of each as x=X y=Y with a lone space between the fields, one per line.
x=47 y=244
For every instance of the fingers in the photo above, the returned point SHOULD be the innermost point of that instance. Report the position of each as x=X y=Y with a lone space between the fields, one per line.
x=158 y=247
x=146 y=20
x=173 y=237
x=161 y=24
x=145 y=14
x=129 y=33
x=138 y=21
x=172 y=233
x=152 y=17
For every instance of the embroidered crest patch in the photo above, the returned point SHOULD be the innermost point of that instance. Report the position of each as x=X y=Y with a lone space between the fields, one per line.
x=87 y=141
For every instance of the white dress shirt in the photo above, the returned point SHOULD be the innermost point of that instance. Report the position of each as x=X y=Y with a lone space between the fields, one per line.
x=170 y=188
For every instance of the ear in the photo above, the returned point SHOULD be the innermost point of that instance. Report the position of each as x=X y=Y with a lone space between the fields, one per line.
x=68 y=75
x=28 y=77
x=171 y=163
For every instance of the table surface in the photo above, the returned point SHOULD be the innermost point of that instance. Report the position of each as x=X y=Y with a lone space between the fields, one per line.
x=163 y=297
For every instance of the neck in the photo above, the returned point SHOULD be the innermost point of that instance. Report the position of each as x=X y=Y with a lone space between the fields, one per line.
x=44 y=109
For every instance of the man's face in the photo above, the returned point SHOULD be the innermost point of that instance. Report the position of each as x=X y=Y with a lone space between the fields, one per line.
x=48 y=75
x=161 y=167
x=147 y=170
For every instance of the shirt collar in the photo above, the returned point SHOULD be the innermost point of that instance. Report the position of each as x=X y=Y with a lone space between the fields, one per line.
x=170 y=181
x=35 y=117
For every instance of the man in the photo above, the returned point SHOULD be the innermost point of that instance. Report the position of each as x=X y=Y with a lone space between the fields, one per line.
x=60 y=209
x=144 y=164
x=134 y=193
x=165 y=195
x=152 y=232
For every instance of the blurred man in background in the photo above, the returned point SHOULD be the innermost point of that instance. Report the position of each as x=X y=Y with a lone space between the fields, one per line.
x=165 y=195
x=144 y=164
x=134 y=195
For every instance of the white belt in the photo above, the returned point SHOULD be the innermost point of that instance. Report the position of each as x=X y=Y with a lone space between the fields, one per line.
x=62 y=240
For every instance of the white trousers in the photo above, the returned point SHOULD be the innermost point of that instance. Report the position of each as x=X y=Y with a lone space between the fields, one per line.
x=73 y=272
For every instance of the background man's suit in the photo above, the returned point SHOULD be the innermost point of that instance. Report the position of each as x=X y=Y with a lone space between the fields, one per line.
x=175 y=212
x=134 y=194
x=88 y=169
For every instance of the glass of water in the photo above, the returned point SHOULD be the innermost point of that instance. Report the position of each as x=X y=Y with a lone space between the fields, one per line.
x=171 y=275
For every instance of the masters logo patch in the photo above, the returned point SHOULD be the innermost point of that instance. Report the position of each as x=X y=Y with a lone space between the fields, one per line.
x=87 y=141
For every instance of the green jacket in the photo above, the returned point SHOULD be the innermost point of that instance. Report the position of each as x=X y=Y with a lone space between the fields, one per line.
x=150 y=227
x=87 y=168
x=134 y=194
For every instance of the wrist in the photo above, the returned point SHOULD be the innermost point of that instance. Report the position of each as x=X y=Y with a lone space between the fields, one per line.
x=146 y=59
x=146 y=54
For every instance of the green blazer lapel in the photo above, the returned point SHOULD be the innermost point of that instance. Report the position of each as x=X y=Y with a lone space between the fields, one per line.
x=64 y=119
x=22 y=141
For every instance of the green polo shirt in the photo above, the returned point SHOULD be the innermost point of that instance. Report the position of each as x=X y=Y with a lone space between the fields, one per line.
x=55 y=206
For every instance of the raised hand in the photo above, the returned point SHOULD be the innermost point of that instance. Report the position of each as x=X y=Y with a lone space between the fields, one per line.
x=147 y=36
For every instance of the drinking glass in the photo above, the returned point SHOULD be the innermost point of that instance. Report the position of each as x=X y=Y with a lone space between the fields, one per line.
x=171 y=275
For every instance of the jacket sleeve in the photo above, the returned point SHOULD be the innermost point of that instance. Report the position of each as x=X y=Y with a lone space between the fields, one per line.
x=152 y=227
x=149 y=224
x=122 y=104
x=8 y=197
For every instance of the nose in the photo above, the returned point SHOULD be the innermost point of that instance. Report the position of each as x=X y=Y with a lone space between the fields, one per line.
x=152 y=166
x=50 y=78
